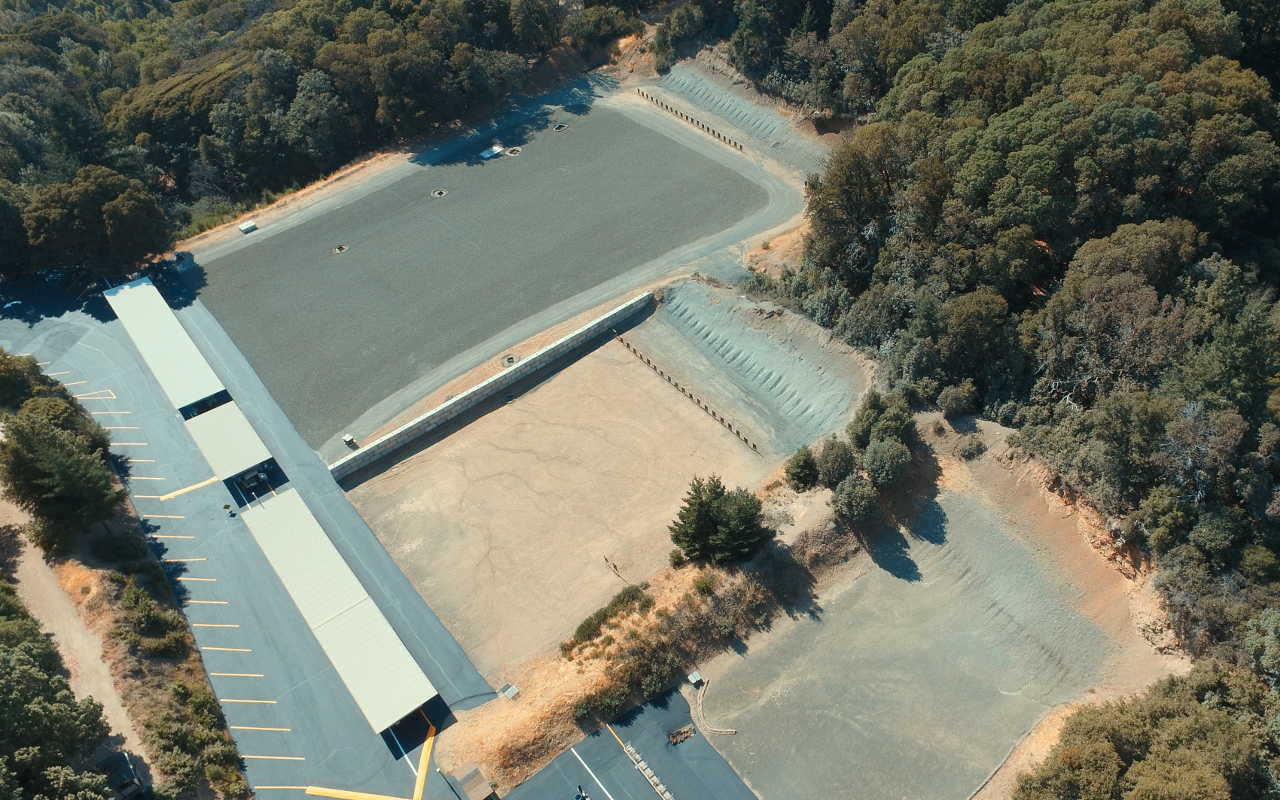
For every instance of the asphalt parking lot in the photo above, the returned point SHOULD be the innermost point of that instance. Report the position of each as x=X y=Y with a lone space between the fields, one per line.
x=293 y=720
x=336 y=336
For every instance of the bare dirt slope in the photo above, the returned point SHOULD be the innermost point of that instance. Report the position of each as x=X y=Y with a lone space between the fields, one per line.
x=38 y=585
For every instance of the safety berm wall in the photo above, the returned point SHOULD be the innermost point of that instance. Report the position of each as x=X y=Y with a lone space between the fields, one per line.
x=386 y=445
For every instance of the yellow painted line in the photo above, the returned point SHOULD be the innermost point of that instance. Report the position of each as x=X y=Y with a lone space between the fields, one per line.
x=615 y=736
x=298 y=788
x=163 y=516
x=237 y=674
x=228 y=649
x=278 y=758
x=190 y=488
x=257 y=728
x=56 y=374
x=169 y=536
x=206 y=602
x=181 y=560
x=209 y=580
x=119 y=427
x=420 y=785
x=100 y=394
x=148 y=496
x=213 y=625
x=143 y=461
x=104 y=413
x=74 y=383
x=144 y=477
x=259 y=702
x=320 y=791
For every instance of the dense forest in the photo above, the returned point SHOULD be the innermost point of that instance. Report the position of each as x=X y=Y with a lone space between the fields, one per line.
x=125 y=123
x=1064 y=218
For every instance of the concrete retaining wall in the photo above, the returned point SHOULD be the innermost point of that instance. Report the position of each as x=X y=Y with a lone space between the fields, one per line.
x=451 y=408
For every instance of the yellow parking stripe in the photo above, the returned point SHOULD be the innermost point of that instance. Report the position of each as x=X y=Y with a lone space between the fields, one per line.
x=106 y=413
x=320 y=791
x=119 y=427
x=190 y=488
x=170 y=536
x=257 y=728
x=205 y=580
x=228 y=649
x=297 y=788
x=421 y=784
x=181 y=560
x=278 y=758
x=206 y=602
x=259 y=702
x=237 y=674
x=162 y=516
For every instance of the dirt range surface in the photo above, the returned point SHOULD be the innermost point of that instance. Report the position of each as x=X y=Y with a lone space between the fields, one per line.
x=505 y=524
x=424 y=278
x=987 y=611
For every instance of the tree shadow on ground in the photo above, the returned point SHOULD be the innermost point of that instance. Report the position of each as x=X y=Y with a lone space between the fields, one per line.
x=179 y=279
x=51 y=294
x=790 y=582
x=10 y=550
x=514 y=122
x=909 y=513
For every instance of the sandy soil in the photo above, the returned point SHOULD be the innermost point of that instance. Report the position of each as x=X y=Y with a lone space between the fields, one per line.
x=505 y=525
x=39 y=584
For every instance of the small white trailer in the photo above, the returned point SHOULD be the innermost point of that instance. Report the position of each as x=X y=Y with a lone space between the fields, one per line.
x=493 y=152
x=248 y=227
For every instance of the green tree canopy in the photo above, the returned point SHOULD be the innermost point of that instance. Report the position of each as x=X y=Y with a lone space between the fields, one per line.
x=717 y=524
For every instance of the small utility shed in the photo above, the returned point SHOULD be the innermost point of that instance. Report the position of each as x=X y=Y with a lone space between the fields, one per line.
x=383 y=678
x=227 y=441
x=168 y=351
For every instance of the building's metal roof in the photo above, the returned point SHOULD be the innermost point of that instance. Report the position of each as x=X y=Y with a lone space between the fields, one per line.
x=377 y=669
x=170 y=354
x=227 y=440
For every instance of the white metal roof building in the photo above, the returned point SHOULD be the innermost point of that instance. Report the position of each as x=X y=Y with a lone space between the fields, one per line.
x=173 y=358
x=227 y=440
x=378 y=670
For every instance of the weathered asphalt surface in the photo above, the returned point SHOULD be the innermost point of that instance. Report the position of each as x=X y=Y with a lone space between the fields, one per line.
x=430 y=287
x=324 y=727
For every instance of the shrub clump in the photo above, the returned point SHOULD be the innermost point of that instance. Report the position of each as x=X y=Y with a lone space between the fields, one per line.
x=633 y=598
x=835 y=461
x=801 y=470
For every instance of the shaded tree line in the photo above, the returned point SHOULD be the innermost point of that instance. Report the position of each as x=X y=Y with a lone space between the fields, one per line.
x=123 y=125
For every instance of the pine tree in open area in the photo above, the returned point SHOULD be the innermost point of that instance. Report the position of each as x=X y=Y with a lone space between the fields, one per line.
x=717 y=524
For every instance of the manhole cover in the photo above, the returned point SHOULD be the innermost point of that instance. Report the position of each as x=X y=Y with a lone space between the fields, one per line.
x=509 y=359
x=340 y=249
x=439 y=192
x=513 y=151
x=560 y=127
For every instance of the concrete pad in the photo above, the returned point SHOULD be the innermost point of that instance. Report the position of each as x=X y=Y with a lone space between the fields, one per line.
x=505 y=525
x=918 y=676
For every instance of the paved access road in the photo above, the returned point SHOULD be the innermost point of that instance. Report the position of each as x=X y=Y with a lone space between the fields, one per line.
x=292 y=718
x=428 y=287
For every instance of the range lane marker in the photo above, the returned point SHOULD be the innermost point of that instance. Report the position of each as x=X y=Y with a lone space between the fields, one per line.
x=229 y=650
x=56 y=374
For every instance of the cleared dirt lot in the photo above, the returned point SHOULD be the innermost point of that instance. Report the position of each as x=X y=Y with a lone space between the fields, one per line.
x=424 y=279
x=505 y=524
x=922 y=671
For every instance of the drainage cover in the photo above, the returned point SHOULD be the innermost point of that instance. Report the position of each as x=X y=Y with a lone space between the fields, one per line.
x=340 y=249
x=509 y=359
x=439 y=192
x=513 y=151
x=559 y=127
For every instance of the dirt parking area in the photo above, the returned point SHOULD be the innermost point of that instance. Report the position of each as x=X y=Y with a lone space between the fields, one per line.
x=510 y=525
